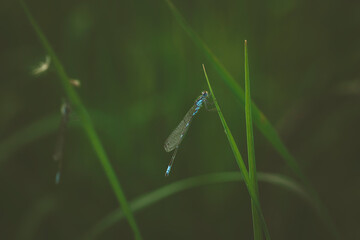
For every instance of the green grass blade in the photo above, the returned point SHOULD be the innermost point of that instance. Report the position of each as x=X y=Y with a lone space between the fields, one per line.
x=163 y=192
x=35 y=217
x=87 y=124
x=27 y=134
x=240 y=161
x=259 y=118
x=251 y=149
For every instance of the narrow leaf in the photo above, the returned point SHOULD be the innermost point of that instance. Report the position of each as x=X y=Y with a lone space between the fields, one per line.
x=260 y=120
x=86 y=123
x=27 y=134
x=239 y=161
x=251 y=149
x=162 y=193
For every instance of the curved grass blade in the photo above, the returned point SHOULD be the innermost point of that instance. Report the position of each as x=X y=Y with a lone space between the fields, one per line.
x=251 y=149
x=239 y=161
x=87 y=124
x=27 y=134
x=260 y=120
x=49 y=124
x=34 y=217
x=162 y=193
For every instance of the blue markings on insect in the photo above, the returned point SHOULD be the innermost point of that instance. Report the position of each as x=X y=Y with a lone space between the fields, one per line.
x=175 y=138
x=57 y=177
x=168 y=171
x=198 y=106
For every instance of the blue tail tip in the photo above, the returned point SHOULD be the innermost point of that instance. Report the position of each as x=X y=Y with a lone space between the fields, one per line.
x=168 y=171
x=57 y=178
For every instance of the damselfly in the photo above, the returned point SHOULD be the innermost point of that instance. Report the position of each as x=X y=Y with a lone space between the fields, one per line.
x=58 y=154
x=175 y=138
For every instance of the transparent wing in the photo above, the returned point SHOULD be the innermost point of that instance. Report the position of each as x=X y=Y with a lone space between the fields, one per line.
x=179 y=132
x=59 y=148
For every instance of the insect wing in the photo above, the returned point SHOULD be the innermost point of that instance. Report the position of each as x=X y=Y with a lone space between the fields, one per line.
x=177 y=135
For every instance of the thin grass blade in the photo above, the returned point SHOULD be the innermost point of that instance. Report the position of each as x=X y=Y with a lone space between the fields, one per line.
x=35 y=217
x=162 y=193
x=260 y=120
x=251 y=150
x=23 y=136
x=86 y=123
x=239 y=161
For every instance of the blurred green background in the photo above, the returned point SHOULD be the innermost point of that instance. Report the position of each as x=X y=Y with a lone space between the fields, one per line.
x=140 y=73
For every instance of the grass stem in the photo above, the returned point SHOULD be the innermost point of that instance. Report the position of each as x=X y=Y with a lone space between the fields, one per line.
x=87 y=124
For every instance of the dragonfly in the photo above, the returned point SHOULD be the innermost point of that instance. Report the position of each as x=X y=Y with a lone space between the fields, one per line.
x=172 y=143
x=58 y=154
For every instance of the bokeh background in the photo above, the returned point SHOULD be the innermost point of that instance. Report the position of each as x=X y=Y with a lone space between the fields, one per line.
x=140 y=73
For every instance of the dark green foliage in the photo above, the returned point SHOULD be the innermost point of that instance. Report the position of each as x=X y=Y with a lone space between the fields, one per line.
x=140 y=72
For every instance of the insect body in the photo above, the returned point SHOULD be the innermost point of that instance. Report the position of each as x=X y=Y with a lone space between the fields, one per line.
x=58 y=155
x=176 y=137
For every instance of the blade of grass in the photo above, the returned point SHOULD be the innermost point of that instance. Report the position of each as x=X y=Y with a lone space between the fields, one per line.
x=87 y=125
x=259 y=118
x=49 y=124
x=27 y=134
x=251 y=149
x=35 y=217
x=239 y=161
x=162 y=193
